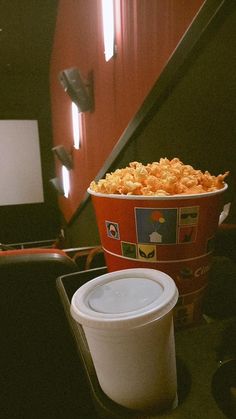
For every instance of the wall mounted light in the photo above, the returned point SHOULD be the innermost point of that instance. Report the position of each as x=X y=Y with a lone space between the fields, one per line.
x=57 y=185
x=64 y=156
x=79 y=89
x=76 y=125
x=108 y=28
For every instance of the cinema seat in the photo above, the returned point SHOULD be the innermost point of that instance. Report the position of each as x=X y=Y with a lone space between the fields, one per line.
x=39 y=372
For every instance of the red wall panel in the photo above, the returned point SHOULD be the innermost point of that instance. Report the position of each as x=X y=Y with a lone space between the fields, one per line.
x=147 y=33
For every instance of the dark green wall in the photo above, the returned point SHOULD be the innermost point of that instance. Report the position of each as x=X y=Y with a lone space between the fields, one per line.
x=24 y=93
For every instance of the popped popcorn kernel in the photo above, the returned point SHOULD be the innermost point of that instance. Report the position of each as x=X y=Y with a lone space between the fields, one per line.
x=163 y=178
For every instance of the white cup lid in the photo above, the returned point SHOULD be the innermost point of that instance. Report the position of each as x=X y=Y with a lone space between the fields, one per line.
x=124 y=295
x=124 y=299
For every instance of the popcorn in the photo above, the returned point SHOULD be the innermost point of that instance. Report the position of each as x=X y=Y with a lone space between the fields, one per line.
x=163 y=178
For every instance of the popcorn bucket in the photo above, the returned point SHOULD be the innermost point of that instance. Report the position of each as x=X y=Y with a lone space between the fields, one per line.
x=174 y=234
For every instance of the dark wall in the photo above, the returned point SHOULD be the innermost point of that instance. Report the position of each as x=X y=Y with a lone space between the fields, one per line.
x=24 y=92
x=196 y=122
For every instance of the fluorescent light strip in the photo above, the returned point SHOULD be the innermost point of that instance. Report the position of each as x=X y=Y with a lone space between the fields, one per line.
x=66 y=181
x=108 y=28
x=76 y=125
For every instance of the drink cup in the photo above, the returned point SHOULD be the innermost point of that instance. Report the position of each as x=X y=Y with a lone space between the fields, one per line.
x=127 y=318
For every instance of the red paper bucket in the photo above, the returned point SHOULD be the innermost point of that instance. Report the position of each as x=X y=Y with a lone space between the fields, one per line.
x=174 y=234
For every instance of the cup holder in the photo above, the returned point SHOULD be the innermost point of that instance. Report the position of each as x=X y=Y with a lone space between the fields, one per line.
x=223 y=388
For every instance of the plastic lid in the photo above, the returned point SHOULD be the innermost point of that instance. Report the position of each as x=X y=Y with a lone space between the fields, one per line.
x=124 y=299
x=124 y=295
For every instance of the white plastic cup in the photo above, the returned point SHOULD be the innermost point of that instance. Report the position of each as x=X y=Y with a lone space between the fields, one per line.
x=128 y=323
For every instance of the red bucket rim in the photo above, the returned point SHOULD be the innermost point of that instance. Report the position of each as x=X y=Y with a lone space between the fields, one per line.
x=158 y=197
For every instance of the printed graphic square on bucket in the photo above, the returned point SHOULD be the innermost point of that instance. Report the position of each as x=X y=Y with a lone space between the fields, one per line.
x=156 y=225
x=189 y=215
x=112 y=230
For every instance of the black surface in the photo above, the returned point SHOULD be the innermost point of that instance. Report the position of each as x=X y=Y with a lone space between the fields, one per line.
x=41 y=376
x=220 y=297
x=224 y=380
